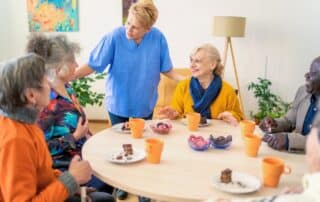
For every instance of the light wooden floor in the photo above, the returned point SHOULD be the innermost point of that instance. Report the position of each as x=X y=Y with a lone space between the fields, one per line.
x=96 y=126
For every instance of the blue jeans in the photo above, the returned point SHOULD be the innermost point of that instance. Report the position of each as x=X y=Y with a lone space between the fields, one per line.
x=115 y=119
x=99 y=185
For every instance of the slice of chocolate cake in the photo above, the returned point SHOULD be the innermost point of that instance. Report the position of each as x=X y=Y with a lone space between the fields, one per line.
x=127 y=148
x=226 y=176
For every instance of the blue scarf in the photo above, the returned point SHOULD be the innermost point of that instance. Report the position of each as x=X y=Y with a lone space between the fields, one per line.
x=202 y=99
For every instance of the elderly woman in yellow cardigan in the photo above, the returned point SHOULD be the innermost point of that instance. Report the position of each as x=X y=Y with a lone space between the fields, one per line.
x=205 y=92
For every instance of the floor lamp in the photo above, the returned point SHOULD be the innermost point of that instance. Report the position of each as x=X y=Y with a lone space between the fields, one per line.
x=228 y=27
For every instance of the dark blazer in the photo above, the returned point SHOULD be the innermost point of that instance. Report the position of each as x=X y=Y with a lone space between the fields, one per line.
x=292 y=122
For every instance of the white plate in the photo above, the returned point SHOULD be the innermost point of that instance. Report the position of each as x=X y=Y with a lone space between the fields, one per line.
x=118 y=128
x=138 y=155
x=209 y=122
x=241 y=183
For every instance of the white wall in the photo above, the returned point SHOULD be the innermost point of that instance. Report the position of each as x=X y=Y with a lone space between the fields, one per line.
x=280 y=35
x=5 y=29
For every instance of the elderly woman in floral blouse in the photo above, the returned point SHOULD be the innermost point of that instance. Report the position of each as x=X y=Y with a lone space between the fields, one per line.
x=63 y=120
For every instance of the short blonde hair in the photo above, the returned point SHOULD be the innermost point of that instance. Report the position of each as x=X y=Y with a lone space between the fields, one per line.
x=213 y=55
x=145 y=12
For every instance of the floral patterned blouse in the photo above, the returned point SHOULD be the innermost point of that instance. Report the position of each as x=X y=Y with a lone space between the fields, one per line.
x=59 y=121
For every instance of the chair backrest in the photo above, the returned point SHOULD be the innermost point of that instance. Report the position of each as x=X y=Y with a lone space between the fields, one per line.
x=166 y=88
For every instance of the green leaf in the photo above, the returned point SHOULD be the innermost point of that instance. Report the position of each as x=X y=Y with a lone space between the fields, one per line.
x=269 y=104
x=82 y=88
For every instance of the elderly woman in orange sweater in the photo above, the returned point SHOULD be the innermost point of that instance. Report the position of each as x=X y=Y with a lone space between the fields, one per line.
x=205 y=92
x=26 y=172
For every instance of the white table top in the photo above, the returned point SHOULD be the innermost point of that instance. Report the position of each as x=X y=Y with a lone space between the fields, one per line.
x=184 y=174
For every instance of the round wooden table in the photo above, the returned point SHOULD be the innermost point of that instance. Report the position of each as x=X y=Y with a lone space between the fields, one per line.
x=184 y=174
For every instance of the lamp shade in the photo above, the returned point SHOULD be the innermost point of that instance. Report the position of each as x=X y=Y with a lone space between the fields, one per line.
x=229 y=26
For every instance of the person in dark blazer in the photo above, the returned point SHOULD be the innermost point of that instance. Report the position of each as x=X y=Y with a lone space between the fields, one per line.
x=289 y=132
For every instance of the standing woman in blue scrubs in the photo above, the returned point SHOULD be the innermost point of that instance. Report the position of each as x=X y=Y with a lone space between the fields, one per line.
x=134 y=56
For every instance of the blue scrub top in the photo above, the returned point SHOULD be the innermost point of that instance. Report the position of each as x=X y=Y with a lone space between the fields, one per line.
x=133 y=71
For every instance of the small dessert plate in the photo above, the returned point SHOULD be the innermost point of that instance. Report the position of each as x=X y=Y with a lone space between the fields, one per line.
x=242 y=183
x=209 y=122
x=118 y=128
x=113 y=156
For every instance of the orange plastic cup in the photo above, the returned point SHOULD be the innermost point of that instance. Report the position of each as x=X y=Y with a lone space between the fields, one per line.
x=136 y=127
x=272 y=169
x=247 y=127
x=252 y=145
x=193 y=120
x=154 y=149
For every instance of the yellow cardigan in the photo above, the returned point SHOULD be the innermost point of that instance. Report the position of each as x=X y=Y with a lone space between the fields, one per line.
x=226 y=101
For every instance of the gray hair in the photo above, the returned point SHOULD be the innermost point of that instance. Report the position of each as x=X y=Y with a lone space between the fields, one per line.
x=213 y=55
x=18 y=75
x=316 y=61
x=56 y=50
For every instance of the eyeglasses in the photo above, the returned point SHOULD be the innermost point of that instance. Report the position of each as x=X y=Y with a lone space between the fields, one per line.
x=312 y=75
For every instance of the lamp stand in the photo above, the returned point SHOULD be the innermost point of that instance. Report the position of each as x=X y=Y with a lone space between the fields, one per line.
x=225 y=53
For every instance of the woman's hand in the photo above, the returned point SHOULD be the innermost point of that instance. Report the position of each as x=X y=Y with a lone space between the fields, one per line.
x=169 y=113
x=82 y=129
x=228 y=117
x=80 y=170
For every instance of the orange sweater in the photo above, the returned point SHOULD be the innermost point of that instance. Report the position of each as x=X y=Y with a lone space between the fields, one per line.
x=25 y=165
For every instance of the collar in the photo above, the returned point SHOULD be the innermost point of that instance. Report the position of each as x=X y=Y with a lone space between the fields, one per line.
x=54 y=94
x=23 y=114
x=130 y=42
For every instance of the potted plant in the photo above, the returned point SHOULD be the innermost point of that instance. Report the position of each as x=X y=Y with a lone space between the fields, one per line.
x=85 y=95
x=269 y=104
